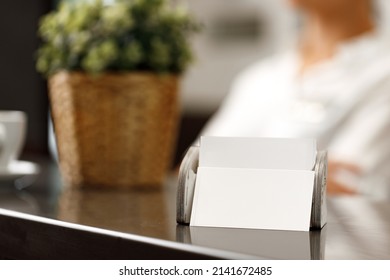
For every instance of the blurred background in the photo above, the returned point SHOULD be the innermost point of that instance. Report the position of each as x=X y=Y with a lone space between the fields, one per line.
x=235 y=34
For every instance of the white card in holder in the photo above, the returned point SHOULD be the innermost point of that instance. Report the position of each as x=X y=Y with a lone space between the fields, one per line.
x=257 y=153
x=288 y=196
x=253 y=198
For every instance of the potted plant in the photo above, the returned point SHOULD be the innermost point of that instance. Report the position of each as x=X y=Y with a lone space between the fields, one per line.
x=113 y=74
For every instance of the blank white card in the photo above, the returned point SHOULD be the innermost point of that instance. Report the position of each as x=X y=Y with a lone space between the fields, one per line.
x=266 y=153
x=257 y=198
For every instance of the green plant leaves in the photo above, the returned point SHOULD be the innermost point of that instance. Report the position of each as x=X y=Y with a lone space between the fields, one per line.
x=129 y=35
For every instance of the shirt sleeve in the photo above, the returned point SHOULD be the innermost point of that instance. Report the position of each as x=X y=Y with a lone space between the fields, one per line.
x=364 y=140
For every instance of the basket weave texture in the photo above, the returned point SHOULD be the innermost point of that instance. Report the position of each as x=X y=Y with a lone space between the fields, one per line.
x=114 y=130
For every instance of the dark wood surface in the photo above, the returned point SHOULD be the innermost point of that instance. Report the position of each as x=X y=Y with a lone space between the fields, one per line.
x=140 y=224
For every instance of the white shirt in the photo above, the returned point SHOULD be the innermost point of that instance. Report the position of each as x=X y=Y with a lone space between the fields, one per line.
x=344 y=103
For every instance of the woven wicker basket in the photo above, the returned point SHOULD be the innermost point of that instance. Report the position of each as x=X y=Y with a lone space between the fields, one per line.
x=114 y=130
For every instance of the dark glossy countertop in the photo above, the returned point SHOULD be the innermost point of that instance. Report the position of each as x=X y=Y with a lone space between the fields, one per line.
x=357 y=228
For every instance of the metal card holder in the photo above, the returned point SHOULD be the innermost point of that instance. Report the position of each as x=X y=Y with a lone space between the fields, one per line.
x=187 y=181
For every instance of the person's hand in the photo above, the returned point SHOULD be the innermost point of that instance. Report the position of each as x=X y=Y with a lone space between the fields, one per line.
x=334 y=186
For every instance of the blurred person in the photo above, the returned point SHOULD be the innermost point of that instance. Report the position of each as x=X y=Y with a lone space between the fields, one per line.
x=334 y=86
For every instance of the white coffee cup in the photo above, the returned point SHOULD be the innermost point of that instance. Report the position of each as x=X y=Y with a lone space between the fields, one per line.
x=13 y=126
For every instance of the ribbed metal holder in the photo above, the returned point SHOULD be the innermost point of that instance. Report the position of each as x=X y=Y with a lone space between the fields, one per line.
x=187 y=180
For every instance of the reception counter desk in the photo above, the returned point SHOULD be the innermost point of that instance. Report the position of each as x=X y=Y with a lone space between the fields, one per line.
x=41 y=219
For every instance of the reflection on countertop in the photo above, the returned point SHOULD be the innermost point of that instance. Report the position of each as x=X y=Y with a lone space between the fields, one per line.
x=358 y=229
x=270 y=244
x=143 y=212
